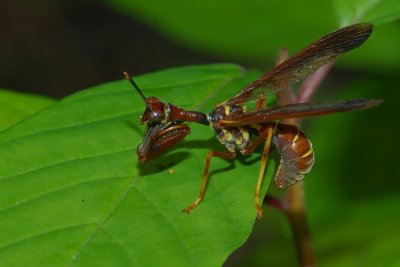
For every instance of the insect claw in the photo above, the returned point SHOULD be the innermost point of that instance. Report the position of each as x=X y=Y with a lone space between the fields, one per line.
x=187 y=210
x=191 y=207
x=259 y=213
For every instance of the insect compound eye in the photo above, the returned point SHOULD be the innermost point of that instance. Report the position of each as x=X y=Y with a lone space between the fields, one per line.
x=155 y=115
x=151 y=115
x=155 y=109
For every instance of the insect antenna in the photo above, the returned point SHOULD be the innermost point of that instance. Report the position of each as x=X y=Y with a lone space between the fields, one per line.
x=128 y=77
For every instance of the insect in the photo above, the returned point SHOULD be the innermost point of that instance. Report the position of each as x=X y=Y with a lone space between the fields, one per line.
x=241 y=130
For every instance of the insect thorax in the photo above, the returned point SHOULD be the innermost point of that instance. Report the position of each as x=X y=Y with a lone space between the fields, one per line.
x=232 y=137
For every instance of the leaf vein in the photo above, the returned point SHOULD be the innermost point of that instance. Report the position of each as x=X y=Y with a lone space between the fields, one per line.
x=105 y=218
x=171 y=223
x=65 y=161
x=58 y=190
x=43 y=233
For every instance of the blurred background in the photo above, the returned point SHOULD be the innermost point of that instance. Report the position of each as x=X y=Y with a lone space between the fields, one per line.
x=54 y=48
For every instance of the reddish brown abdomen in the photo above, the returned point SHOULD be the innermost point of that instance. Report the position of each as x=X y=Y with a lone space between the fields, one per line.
x=296 y=155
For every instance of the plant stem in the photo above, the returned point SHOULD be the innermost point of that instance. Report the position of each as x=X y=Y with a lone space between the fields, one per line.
x=293 y=202
x=275 y=202
x=297 y=217
x=311 y=84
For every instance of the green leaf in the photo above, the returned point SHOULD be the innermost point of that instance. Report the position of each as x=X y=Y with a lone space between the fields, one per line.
x=17 y=106
x=253 y=31
x=375 y=11
x=72 y=193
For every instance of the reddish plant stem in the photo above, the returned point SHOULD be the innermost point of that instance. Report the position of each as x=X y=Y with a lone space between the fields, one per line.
x=275 y=202
x=297 y=217
x=311 y=84
x=293 y=202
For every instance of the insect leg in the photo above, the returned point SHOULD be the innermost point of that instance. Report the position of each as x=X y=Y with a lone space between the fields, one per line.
x=158 y=140
x=265 y=133
x=261 y=137
x=224 y=155
x=269 y=132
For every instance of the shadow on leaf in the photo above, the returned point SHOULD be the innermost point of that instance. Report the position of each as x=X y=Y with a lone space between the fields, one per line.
x=162 y=163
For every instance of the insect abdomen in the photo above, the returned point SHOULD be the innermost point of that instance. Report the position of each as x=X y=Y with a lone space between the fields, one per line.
x=296 y=155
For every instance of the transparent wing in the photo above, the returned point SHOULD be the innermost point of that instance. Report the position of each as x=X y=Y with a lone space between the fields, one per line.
x=306 y=61
x=300 y=110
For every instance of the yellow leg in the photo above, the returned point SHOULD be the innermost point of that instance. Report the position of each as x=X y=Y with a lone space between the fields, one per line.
x=269 y=132
x=224 y=155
